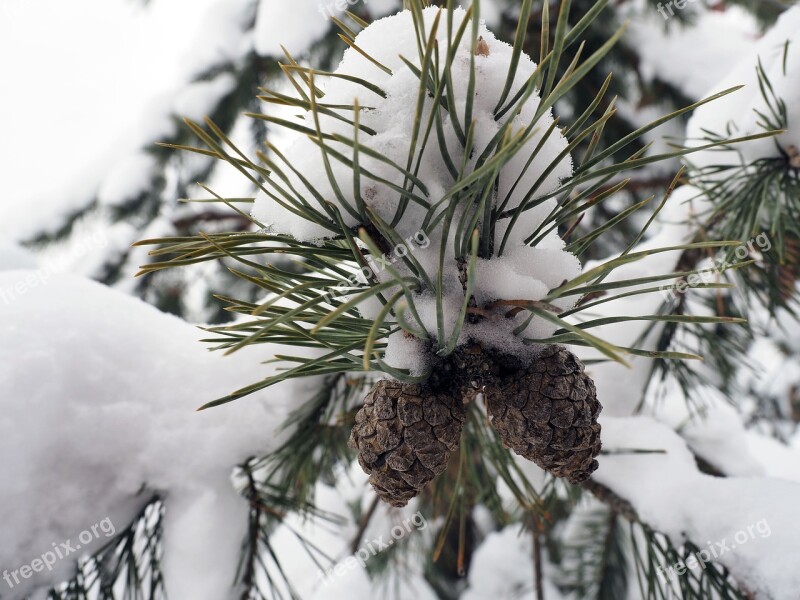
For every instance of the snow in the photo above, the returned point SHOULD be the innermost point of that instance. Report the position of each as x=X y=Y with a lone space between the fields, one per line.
x=754 y=517
x=293 y=25
x=522 y=272
x=13 y=256
x=298 y=24
x=509 y=277
x=113 y=70
x=223 y=36
x=717 y=434
x=785 y=329
x=331 y=570
x=667 y=490
x=740 y=110
x=85 y=251
x=128 y=179
x=502 y=567
x=198 y=100
x=778 y=459
x=114 y=420
x=620 y=388
x=773 y=374
x=100 y=390
x=405 y=352
x=691 y=58
x=687 y=57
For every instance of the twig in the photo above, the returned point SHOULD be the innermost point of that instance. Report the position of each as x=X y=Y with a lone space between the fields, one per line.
x=621 y=506
x=249 y=577
x=537 y=561
x=573 y=227
x=526 y=304
x=617 y=503
x=482 y=312
x=362 y=525
x=210 y=215
x=637 y=185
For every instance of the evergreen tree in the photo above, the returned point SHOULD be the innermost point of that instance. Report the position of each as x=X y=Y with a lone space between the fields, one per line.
x=444 y=380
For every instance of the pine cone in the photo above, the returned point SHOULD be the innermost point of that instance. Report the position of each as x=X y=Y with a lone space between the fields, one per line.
x=548 y=412
x=404 y=434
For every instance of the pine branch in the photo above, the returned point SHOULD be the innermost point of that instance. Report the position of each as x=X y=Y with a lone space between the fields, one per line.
x=363 y=524
x=129 y=561
x=538 y=573
x=660 y=554
x=617 y=503
x=317 y=304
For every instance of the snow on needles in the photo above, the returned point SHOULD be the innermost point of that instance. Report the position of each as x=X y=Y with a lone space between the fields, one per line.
x=522 y=272
x=744 y=523
x=296 y=25
x=779 y=54
x=100 y=393
x=621 y=388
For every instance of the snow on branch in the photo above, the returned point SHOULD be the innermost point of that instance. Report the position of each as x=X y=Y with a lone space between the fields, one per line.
x=748 y=525
x=99 y=416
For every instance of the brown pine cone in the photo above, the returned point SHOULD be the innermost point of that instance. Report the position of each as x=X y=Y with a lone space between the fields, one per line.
x=548 y=413
x=404 y=434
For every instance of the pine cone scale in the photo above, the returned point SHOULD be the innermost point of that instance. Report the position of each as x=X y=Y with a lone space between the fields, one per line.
x=404 y=434
x=545 y=411
x=548 y=413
